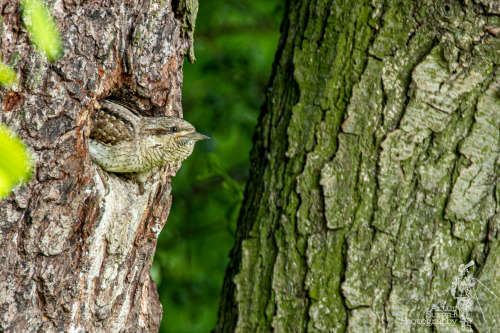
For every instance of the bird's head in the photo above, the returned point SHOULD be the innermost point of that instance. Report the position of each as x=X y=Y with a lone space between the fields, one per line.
x=165 y=130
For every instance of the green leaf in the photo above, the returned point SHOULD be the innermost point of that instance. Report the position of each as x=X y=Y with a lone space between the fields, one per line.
x=42 y=29
x=15 y=163
x=7 y=75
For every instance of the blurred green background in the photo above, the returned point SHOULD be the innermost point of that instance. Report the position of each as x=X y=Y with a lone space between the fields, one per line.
x=235 y=43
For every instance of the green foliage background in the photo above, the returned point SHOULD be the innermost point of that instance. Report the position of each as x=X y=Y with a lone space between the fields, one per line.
x=235 y=43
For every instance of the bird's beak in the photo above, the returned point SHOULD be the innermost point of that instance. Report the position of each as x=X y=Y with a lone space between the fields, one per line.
x=196 y=136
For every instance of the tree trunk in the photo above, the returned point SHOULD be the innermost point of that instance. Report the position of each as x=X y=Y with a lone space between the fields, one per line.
x=73 y=258
x=374 y=172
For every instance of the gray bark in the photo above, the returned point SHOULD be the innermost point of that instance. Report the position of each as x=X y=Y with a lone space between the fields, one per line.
x=75 y=259
x=374 y=172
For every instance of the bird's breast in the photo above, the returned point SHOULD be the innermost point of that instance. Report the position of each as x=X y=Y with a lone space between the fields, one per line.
x=121 y=158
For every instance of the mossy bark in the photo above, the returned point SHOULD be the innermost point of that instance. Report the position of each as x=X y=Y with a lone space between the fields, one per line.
x=374 y=172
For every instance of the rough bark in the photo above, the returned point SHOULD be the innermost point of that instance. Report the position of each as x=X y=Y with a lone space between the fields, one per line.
x=75 y=259
x=374 y=170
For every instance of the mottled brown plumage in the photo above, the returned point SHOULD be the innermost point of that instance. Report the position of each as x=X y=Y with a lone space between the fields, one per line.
x=110 y=129
x=121 y=140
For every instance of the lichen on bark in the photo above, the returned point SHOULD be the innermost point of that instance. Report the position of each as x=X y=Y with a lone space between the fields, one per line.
x=374 y=169
x=76 y=259
x=187 y=11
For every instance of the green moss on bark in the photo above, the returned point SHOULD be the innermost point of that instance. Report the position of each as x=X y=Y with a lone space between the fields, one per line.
x=374 y=168
x=187 y=10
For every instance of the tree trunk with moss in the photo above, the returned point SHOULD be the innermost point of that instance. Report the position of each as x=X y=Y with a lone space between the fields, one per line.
x=374 y=173
x=73 y=258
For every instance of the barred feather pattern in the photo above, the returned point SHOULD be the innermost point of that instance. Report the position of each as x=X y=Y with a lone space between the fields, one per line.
x=123 y=141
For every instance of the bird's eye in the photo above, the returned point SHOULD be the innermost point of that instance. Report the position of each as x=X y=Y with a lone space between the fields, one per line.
x=174 y=129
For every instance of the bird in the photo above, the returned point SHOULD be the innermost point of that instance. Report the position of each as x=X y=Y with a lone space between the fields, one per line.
x=123 y=141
